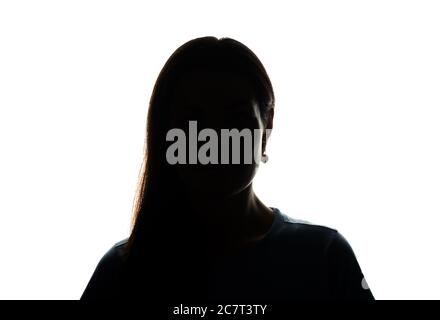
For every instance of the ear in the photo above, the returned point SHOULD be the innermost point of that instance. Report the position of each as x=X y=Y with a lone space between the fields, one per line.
x=268 y=128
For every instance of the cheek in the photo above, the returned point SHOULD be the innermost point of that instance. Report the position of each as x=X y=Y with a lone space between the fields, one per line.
x=224 y=178
x=258 y=137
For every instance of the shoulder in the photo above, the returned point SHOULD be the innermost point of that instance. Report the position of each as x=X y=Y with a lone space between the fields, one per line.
x=114 y=256
x=312 y=240
x=305 y=232
x=106 y=273
x=334 y=243
x=328 y=247
x=329 y=240
x=118 y=248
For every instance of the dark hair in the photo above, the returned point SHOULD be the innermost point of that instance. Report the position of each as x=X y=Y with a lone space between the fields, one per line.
x=162 y=229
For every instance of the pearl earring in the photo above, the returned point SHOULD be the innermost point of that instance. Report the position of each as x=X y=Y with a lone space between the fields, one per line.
x=264 y=158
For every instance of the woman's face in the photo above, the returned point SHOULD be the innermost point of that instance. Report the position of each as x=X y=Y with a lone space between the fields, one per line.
x=216 y=101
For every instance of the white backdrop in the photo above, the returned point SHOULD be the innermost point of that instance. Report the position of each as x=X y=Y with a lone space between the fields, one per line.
x=355 y=144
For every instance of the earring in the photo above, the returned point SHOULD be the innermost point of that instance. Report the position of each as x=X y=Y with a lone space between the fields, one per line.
x=264 y=158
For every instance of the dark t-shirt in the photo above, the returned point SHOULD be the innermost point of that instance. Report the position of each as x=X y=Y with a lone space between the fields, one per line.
x=296 y=260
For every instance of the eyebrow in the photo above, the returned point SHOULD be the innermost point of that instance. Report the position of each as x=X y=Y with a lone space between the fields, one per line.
x=243 y=101
x=241 y=104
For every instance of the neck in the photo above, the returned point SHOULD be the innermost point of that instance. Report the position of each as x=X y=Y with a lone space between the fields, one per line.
x=234 y=221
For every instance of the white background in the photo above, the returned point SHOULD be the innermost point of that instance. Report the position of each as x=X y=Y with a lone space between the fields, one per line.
x=355 y=144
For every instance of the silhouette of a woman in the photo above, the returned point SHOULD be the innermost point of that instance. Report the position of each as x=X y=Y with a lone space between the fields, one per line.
x=199 y=231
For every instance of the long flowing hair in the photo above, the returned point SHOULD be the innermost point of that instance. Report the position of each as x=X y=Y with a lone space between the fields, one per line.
x=166 y=247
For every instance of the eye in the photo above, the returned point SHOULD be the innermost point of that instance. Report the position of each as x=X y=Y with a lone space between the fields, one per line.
x=241 y=111
x=244 y=114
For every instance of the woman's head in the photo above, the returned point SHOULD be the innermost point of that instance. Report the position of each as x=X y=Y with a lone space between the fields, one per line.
x=218 y=84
